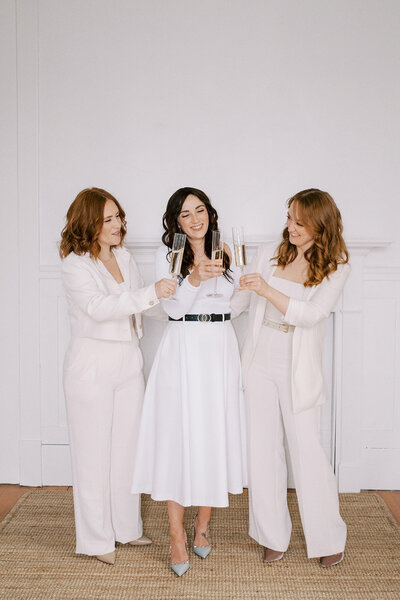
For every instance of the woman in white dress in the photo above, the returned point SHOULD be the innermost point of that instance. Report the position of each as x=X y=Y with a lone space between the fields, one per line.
x=103 y=379
x=191 y=441
x=292 y=288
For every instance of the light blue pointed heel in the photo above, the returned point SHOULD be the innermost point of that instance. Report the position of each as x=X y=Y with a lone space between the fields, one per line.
x=202 y=551
x=181 y=568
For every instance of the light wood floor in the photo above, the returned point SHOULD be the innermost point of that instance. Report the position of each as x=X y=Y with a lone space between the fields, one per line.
x=9 y=494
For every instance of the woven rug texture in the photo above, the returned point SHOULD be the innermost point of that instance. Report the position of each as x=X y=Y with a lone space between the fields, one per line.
x=37 y=560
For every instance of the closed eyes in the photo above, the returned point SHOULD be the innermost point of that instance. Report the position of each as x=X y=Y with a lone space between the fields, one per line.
x=297 y=223
x=200 y=210
x=108 y=219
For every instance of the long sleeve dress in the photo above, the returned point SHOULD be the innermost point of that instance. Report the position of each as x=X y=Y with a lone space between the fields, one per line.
x=191 y=446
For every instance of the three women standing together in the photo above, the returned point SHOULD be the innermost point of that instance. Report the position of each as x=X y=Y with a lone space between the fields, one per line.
x=188 y=444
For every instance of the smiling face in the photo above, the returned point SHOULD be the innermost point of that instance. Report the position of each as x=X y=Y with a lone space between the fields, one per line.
x=110 y=234
x=193 y=218
x=299 y=235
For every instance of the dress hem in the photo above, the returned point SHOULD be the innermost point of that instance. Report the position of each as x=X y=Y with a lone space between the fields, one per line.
x=186 y=505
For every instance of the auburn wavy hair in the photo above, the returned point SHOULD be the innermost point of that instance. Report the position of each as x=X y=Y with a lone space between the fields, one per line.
x=85 y=218
x=317 y=211
x=171 y=226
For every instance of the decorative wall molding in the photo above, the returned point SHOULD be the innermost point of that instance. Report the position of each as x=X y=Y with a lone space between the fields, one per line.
x=382 y=273
x=145 y=248
x=342 y=433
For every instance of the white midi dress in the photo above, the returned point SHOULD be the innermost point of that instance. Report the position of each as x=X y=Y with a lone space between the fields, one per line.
x=191 y=446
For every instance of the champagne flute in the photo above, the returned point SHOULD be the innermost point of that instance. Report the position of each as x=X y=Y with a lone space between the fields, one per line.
x=177 y=251
x=217 y=253
x=239 y=247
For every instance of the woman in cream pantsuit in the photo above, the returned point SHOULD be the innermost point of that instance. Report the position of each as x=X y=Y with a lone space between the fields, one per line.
x=297 y=284
x=103 y=380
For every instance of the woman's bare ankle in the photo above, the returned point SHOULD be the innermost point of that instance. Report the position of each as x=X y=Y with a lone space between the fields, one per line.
x=177 y=534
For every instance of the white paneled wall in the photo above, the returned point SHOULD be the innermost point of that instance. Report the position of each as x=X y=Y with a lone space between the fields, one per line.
x=9 y=258
x=360 y=423
x=380 y=421
x=54 y=337
x=250 y=100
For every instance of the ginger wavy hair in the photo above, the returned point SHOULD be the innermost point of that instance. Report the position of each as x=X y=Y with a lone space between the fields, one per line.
x=85 y=218
x=317 y=211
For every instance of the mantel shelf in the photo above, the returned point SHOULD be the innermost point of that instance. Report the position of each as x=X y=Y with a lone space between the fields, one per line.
x=256 y=240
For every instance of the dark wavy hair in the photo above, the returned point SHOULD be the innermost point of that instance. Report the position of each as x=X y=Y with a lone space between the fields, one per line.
x=317 y=211
x=85 y=218
x=171 y=226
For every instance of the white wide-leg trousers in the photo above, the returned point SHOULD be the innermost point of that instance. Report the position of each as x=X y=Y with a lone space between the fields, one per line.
x=104 y=388
x=269 y=415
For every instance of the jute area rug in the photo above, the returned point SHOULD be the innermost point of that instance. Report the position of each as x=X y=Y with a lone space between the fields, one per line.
x=37 y=560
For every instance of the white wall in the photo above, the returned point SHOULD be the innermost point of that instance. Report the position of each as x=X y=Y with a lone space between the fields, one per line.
x=249 y=100
x=9 y=215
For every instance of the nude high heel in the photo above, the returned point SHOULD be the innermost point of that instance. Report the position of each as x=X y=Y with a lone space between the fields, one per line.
x=108 y=558
x=142 y=541
x=272 y=555
x=331 y=560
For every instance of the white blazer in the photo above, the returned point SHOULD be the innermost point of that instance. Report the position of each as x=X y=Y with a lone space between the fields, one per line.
x=95 y=312
x=308 y=316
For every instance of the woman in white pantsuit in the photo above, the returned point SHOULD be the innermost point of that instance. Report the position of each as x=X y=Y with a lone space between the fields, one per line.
x=297 y=284
x=103 y=380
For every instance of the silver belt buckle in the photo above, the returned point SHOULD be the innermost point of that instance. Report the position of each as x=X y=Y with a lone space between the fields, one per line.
x=204 y=318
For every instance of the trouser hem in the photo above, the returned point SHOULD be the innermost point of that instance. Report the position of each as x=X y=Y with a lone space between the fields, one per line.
x=266 y=544
x=129 y=538
x=95 y=552
x=324 y=553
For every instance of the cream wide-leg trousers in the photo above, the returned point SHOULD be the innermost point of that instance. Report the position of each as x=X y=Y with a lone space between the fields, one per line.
x=104 y=388
x=269 y=415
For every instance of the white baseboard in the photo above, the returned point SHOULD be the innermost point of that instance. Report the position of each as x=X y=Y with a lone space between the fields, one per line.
x=30 y=452
x=380 y=469
x=348 y=477
x=56 y=465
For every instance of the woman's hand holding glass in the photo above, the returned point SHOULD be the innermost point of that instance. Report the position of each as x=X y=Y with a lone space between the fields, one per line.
x=205 y=269
x=254 y=282
x=165 y=288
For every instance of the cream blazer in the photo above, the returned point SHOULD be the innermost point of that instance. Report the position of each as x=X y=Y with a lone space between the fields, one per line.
x=308 y=316
x=96 y=313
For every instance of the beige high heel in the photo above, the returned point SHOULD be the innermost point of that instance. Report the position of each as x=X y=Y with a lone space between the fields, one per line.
x=272 y=555
x=332 y=560
x=108 y=558
x=142 y=541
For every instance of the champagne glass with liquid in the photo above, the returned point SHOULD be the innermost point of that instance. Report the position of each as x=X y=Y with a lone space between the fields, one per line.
x=239 y=247
x=175 y=264
x=217 y=253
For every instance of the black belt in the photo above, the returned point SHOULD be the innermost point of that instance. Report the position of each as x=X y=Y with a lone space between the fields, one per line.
x=204 y=318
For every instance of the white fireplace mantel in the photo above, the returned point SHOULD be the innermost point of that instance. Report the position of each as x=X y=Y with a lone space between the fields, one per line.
x=347 y=370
